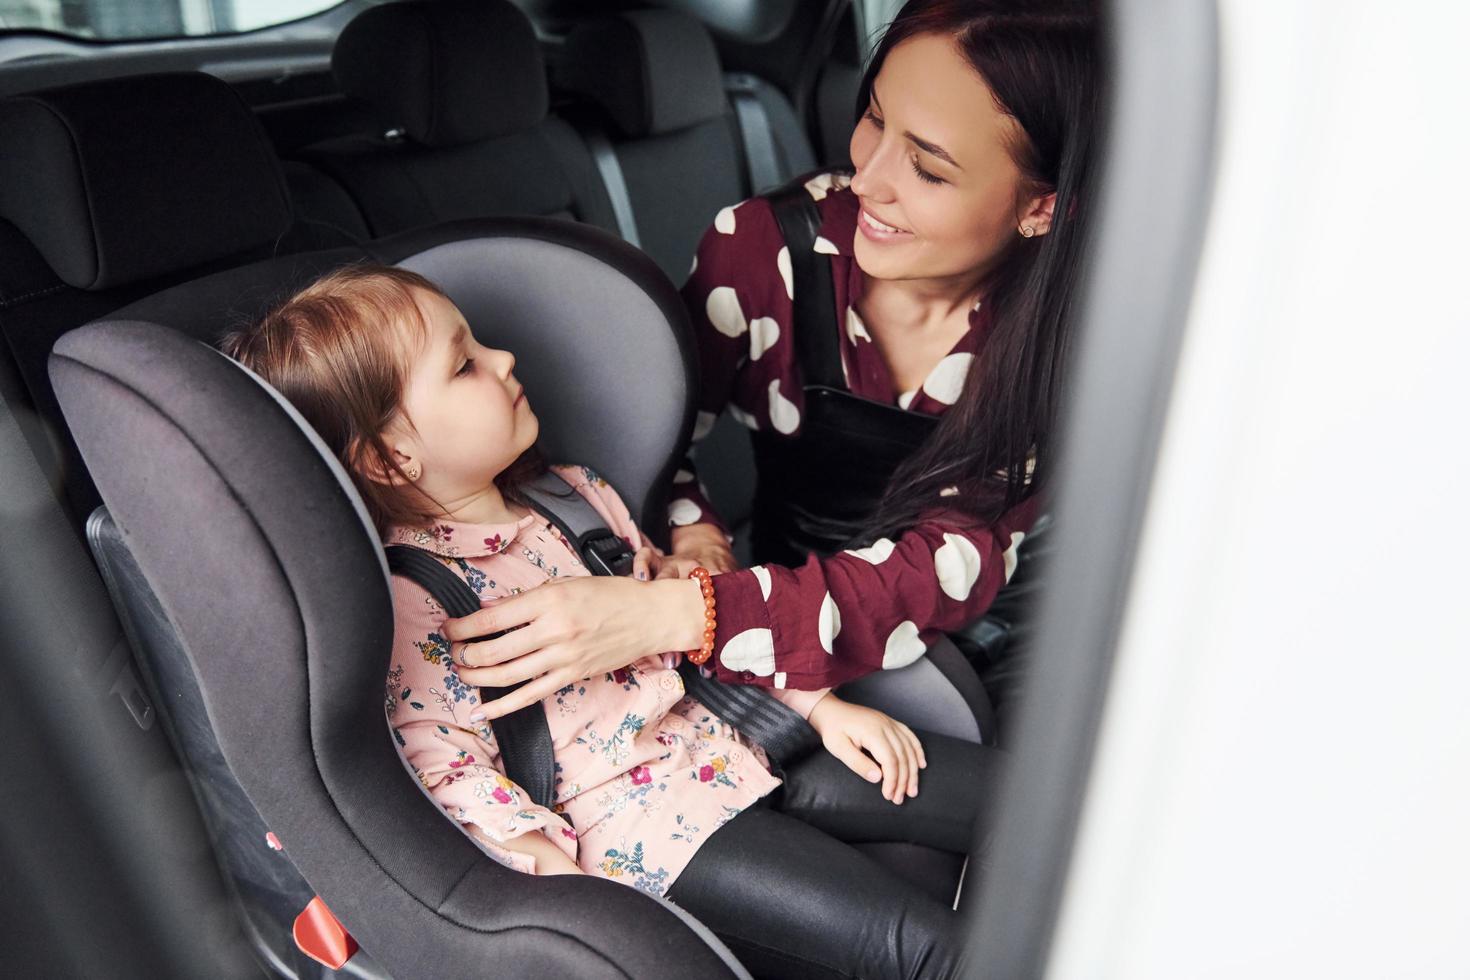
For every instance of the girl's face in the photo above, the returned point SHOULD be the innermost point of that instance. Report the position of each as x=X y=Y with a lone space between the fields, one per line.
x=465 y=417
x=941 y=196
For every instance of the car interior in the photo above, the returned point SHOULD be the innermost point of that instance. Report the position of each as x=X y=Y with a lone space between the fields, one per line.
x=159 y=190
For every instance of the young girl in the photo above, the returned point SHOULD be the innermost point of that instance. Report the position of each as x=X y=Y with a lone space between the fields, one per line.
x=437 y=434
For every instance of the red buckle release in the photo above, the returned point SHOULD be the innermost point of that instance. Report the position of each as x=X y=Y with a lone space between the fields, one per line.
x=320 y=936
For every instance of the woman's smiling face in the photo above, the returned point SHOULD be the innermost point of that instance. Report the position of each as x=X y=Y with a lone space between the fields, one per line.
x=941 y=195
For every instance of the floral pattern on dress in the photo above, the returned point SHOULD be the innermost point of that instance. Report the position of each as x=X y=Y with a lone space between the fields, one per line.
x=643 y=773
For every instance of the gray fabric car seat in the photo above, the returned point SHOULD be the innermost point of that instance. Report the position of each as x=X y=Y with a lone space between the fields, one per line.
x=236 y=534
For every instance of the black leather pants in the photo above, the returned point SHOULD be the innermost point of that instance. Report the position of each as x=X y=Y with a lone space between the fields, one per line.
x=784 y=889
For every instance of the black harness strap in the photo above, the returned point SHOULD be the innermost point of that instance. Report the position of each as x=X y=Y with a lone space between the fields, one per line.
x=523 y=736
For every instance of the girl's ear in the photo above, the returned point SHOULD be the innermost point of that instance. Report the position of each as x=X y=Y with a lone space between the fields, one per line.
x=371 y=459
x=1037 y=214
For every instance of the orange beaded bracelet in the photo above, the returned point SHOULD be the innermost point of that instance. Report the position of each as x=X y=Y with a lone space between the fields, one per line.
x=706 y=589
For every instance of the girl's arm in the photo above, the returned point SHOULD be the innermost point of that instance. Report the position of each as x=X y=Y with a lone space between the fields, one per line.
x=455 y=757
x=547 y=858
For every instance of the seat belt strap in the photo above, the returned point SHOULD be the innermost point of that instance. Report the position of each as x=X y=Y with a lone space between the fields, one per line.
x=523 y=735
x=783 y=733
x=814 y=297
x=761 y=165
x=606 y=159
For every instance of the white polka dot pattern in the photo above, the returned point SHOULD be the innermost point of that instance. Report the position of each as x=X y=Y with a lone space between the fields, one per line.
x=723 y=309
x=762 y=576
x=957 y=563
x=903 y=646
x=764 y=331
x=753 y=650
x=947 y=380
x=1010 y=555
x=783 y=266
x=856 y=329
x=703 y=422
x=824 y=246
x=876 y=553
x=683 y=476
x=829 y=622
x=725 y=220
x=682 y=512
x=784 y=415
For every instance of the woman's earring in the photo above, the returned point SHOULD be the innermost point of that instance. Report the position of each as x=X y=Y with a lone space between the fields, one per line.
x=1027 y=231
x=412 y=471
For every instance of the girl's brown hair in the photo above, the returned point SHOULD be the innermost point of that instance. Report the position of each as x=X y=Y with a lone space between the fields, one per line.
x=340 y=351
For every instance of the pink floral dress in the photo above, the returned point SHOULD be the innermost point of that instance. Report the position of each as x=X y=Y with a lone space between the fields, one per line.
x=643 y=774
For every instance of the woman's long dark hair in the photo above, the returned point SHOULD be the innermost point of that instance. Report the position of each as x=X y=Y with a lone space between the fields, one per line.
x=996 y=444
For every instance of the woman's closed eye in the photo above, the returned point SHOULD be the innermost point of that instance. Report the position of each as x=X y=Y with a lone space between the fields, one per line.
x=466 y=367
x=923 y=174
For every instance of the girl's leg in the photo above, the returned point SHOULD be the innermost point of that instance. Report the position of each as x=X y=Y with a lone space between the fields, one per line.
x=956 y=790
x=791 y=901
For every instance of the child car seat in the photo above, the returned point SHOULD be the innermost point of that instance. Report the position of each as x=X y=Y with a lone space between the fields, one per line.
x=268 y=626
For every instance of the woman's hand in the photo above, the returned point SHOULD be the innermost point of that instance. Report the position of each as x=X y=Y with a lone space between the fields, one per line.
x=569 y=629
x=871 y=744
x=702 y=544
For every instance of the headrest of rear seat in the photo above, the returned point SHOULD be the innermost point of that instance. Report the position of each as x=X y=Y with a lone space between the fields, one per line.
x=121 y=180
x=654 y=71
x=445 y=71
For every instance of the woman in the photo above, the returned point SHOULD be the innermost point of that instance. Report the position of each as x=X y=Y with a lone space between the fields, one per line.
x=954 y=249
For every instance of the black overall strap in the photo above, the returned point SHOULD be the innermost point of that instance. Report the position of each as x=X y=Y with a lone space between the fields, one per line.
x=814 y=297
x=523 y=736
x=783 y=733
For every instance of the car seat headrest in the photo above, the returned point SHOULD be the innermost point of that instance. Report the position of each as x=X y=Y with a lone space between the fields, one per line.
x=653 y=71
x=122 y=180
x=445 y=71
x=600 y=336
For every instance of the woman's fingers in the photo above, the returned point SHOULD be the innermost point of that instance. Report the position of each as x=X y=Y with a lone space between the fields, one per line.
x=530 y=663
x=499 y=648
x=537 y=690
x=676 y=567
x=645 y=563
x=500 y=614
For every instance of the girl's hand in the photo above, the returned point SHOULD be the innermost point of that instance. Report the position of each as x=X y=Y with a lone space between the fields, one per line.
x=569 y=629
x=703 y=544
x=871 y=744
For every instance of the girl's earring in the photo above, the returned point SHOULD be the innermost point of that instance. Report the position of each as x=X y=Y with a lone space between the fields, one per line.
x=411 y=471
x=1027 y=231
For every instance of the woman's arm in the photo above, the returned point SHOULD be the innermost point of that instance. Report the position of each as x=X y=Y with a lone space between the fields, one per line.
x=736 y=276
x=838 y=618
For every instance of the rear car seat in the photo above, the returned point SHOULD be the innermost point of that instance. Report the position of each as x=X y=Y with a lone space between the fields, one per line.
x=113 y=190
x=459 y=90
x=652 y=80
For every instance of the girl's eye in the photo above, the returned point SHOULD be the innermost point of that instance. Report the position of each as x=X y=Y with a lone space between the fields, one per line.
x=872 y=117
x=923 y=174
x=465 y=368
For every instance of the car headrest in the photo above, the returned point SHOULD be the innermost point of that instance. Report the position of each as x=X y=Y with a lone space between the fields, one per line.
x=599 y=333
x=653 y=71
x=122 y=180
x=445 y=71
